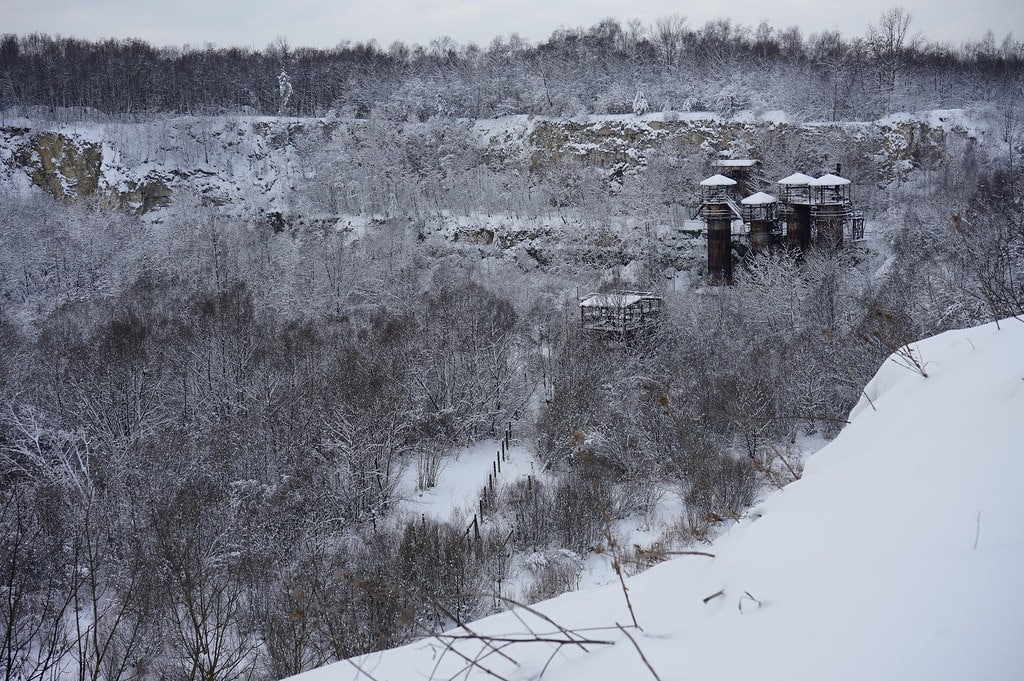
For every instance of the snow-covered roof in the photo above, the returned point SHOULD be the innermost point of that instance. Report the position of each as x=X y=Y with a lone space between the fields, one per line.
x=717 y=181
x=758 y=199
x=797 y=179
x=737 y=163
x=611 y=299
x=829 y=180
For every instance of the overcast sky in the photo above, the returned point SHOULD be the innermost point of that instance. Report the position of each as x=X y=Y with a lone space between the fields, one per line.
x=325 y=23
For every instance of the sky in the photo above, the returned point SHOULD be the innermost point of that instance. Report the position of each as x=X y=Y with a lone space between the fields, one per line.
x=326 y=23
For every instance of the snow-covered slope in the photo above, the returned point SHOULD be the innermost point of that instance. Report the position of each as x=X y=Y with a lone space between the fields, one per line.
x=899 y=555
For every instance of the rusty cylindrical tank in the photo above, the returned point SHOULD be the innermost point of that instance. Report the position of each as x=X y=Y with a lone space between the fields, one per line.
x=719 y=243
x=798 y=228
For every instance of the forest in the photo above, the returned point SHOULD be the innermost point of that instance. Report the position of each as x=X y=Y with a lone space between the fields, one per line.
x=722 y=67
x=204 y=417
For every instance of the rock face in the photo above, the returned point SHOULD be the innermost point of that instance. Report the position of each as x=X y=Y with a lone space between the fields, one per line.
x=258 y=163
x=69 y=167
x=610 y=143
x=623 y=143
x=63 y=166
x=143 y=196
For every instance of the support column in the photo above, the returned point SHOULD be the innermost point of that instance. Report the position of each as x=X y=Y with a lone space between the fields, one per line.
x=798 y=228
x=760 y=236
x=830 y=233
x=719 y=245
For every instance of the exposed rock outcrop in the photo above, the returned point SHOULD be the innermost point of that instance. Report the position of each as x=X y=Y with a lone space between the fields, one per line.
x=258 y=163
x=62 y=165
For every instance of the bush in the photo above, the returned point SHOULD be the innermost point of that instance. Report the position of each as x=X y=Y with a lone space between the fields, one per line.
x=531 y=505
x=556 y=574
x=583 y=499
x=437 y=560
x=719 y=487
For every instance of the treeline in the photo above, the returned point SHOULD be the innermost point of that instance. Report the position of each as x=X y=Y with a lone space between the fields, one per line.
x=721 y=67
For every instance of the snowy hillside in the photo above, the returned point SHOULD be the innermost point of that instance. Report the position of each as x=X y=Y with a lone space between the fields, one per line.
x=897 y=556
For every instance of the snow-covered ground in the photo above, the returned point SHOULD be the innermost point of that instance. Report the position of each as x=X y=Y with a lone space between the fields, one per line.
x=462 y=476
x=455 y=497
x=898 y=555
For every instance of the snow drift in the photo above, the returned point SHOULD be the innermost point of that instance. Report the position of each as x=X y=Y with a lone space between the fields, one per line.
x=899 y=555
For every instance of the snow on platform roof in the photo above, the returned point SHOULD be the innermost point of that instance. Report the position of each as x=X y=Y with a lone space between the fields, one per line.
x=797 y=179
x=758 y=199
x=829 y=180
x=613 y=299
x=717 y=181
x=737 y=163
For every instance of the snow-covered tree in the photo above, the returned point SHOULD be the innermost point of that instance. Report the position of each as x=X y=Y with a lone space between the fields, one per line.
x=284 y=89
x=640 y=105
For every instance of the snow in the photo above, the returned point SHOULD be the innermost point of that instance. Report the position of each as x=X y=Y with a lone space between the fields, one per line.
x=796 y=179
x=898 y=555
x=758 y=199
x=455 y=498
x=737 y=163
x=461 y=479
x=829 y=180
x=617 y=300
x=717 y=181
x=776 y=116
x=974 y=123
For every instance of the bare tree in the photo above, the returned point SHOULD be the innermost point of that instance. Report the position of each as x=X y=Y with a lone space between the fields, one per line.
x=888 y=41
x=113 y=618
x=209 y=640
x=668 y=34
x=36 y=595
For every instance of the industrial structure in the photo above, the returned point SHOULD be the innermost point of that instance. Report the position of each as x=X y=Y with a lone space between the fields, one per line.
x=620 y=314
x=718 y=209
x=743 y=170
x=795 y=192
x=761 y=212
x=807 y=212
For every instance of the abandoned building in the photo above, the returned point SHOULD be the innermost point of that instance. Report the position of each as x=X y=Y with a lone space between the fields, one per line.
x=718 y=209
x=808 y=211
x=760 y=211
x=620 y=314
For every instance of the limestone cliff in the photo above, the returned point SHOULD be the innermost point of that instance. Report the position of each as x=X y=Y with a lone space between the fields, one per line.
x=61 y=164
x=259 y=163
